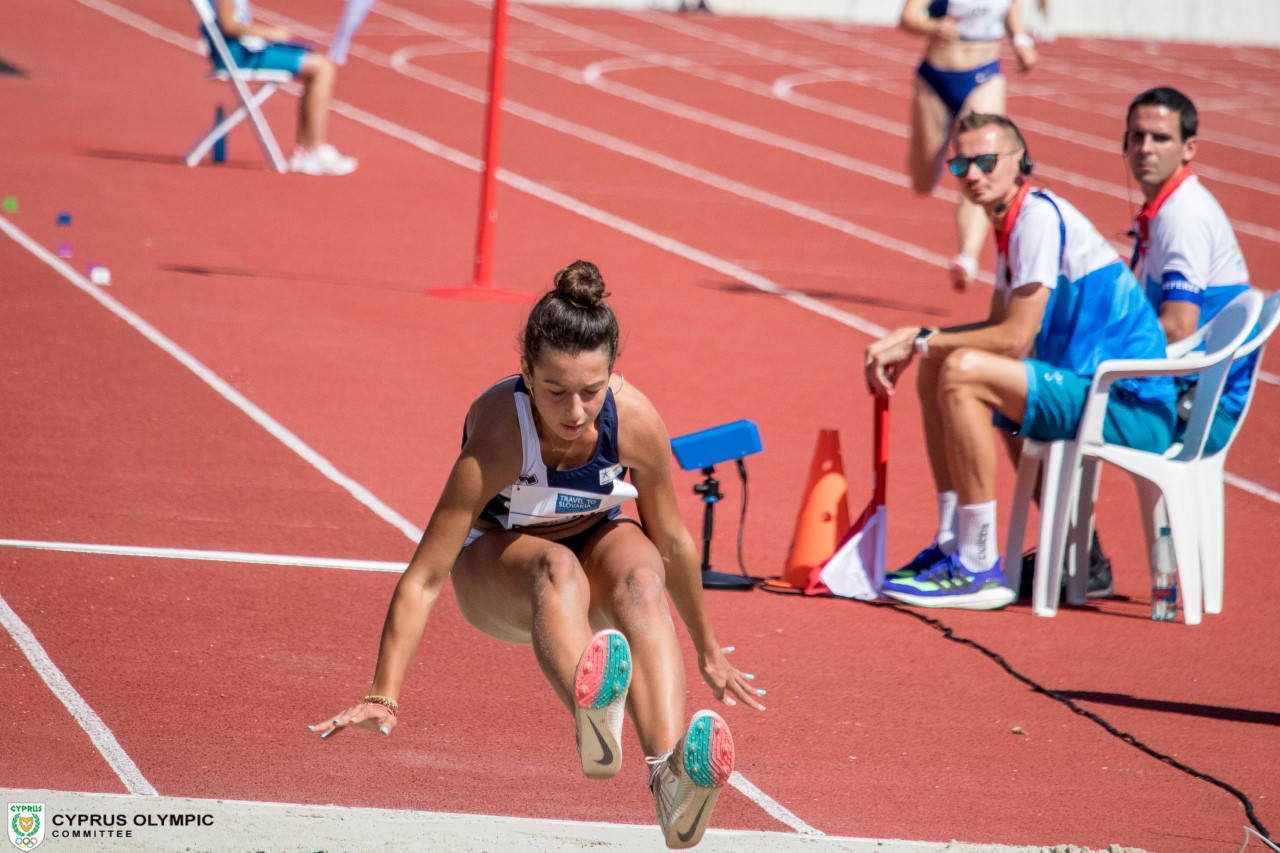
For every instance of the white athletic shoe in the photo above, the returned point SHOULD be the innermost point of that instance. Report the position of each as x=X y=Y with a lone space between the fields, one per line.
x=687 y=780
x=600 y=696
x=324 y=160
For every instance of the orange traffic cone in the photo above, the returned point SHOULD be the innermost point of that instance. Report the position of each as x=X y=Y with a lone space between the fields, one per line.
x=824 y=515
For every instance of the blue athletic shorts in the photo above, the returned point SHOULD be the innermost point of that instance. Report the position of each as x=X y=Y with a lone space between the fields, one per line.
x=1055 y=401
x=953 y=87
x=274 y=57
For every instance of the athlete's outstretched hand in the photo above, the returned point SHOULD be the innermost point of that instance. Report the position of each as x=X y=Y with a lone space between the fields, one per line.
x=726 y=682
x=362 y=715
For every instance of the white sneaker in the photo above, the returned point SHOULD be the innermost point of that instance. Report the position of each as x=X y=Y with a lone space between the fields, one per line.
x=600 y=695
x=687 y=780
x=324 y=160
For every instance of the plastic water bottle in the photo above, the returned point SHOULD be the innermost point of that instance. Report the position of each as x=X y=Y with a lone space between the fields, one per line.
x=1164 y=579
x=219 y=147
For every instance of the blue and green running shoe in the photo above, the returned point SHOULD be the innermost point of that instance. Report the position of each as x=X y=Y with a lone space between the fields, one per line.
x=952 y=584
x=922 y=562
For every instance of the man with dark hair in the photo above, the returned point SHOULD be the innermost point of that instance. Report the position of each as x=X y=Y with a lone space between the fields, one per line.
x=1186 y=254
x=1063 y=302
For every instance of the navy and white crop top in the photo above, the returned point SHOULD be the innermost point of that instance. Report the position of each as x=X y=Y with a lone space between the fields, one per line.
x=976 y=20
x=542 y=496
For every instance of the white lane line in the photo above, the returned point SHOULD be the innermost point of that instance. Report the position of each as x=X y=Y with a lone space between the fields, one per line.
x=213 y=380
x=209 y=556
x=618 y=223
x=634 y=230
x=813 y=104
x=637 y=57
x=1069 y=134
x=752 y=792
x=99 y=734
x=1251 y=487
x=770 y=805
x=594 y=76
x=516 y=181
x=1269 y=378
x=400 y=61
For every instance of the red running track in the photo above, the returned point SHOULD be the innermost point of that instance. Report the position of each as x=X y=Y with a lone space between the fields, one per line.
x=696 y=188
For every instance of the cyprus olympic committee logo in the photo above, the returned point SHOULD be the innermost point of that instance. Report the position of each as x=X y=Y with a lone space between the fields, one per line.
x=26 y=825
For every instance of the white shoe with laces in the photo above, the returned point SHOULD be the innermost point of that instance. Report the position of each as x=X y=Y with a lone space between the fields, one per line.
x=324 y=160
x=686 y=781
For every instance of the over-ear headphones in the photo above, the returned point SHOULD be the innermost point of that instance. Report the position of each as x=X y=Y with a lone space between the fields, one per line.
x=1025 y=163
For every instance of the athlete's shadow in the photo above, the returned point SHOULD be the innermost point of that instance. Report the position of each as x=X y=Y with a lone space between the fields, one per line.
x=836 y=296
x=209 y=271
x=172 y=159
x=1212 y=712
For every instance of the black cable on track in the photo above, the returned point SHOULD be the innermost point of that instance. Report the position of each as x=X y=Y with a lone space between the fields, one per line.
x=950 y=634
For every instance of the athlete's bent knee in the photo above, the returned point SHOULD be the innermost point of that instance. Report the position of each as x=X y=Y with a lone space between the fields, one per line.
x=639 y=590
x=557 y=571
x=963 y=368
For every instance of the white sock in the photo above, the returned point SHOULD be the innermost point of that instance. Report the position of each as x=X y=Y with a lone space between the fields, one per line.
x=946 y=538
x=977 y=523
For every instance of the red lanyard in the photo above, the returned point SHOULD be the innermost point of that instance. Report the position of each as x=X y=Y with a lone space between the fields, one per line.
x=1149 y=211
x=1015 y=207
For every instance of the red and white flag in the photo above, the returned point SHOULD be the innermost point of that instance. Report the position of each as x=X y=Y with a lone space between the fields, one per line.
x=856 y=569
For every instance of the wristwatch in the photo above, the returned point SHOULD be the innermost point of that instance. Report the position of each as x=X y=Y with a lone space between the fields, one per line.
x=922 y=341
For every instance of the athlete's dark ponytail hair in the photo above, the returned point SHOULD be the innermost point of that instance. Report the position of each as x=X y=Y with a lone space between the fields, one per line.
x=572 y=317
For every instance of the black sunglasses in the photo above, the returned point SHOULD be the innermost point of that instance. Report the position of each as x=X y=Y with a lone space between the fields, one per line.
x=986 y=164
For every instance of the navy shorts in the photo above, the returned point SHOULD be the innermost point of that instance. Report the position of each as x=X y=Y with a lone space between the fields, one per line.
x=954 y=87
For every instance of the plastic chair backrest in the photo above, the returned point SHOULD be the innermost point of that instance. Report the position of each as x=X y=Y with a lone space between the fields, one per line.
x=213 y=33
x=1222 y=332
x=1268 y=320
x=205 y=10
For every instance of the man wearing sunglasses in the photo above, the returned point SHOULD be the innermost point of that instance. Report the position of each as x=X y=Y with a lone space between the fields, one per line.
x=1063 y=302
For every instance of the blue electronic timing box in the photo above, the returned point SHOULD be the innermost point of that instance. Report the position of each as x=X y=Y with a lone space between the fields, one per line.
x=709 y=447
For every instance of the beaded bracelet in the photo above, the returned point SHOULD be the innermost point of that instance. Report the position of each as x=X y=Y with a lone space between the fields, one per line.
x=385 y=701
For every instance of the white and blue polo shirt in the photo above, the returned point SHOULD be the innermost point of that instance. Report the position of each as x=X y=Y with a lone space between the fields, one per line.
x=1096 y=310
x=1190 y=254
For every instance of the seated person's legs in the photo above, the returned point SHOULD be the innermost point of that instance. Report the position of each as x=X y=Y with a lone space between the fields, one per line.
x=317 y=74
x=970 y=385
x=313 y=156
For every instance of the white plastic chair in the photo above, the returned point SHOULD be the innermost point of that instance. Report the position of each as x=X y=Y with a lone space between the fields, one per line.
x=1209 y=468
x=250 y=102
x=1070 y=468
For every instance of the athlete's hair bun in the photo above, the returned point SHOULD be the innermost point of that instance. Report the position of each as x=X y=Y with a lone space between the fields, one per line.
x=572 y=317
x=581 y=284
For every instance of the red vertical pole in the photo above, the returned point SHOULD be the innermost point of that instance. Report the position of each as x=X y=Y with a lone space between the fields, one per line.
x=881 y=449
x=481 y=287
x=492 y=143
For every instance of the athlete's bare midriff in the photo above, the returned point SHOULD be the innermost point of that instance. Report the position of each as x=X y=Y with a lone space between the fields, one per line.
x=961 y=55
